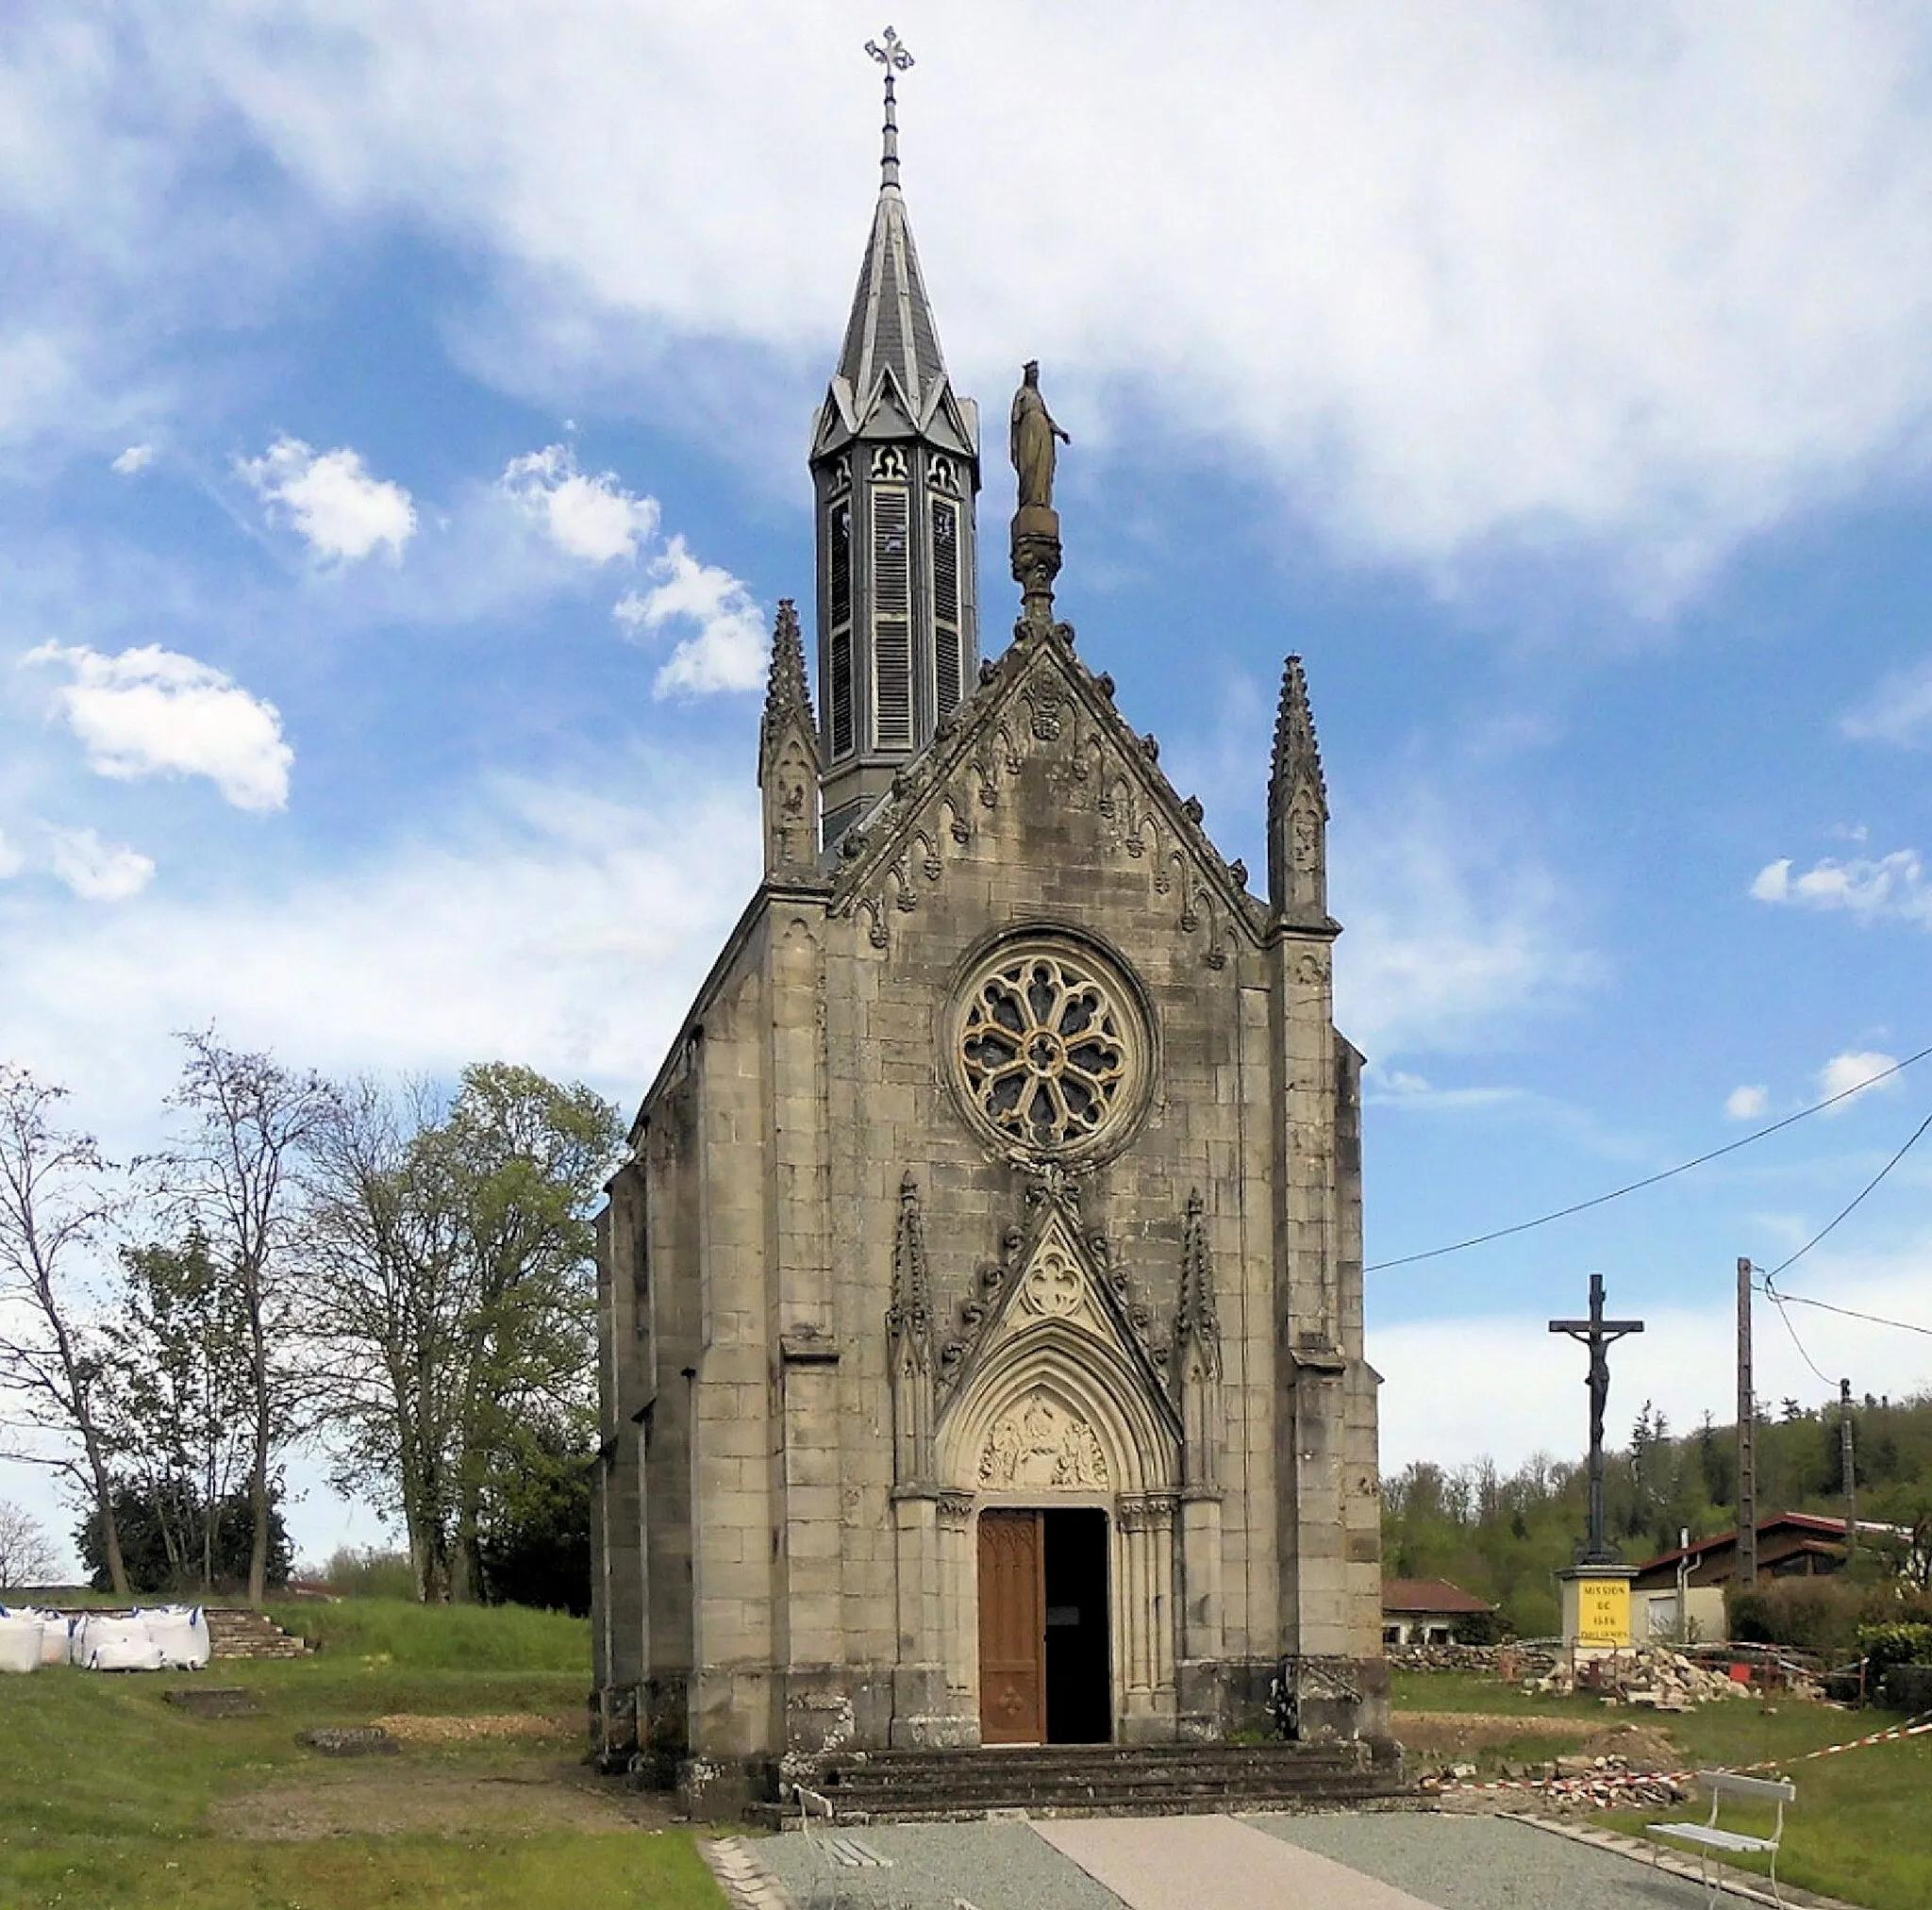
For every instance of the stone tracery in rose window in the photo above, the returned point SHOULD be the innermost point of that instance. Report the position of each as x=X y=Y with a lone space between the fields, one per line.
x=1045 y=1049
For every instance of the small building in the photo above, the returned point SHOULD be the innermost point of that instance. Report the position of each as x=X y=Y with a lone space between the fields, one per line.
x=1790 y=1545
x=1426 y=1611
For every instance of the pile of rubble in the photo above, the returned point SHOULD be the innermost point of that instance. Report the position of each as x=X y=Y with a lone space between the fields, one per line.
x=1443 y=1657
x=1652 y=1676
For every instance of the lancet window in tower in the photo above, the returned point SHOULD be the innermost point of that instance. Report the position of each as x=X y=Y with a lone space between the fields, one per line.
x=839 y=559
x=945 y=601
x=892 y=617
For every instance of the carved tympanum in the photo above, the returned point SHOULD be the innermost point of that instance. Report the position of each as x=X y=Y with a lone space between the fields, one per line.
x=1039 y=1443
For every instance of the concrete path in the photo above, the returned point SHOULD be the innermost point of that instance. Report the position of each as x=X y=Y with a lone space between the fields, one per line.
x=1210 y=1863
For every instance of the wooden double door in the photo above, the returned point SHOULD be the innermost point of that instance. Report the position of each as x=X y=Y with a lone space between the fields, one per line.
x=1045 y=1668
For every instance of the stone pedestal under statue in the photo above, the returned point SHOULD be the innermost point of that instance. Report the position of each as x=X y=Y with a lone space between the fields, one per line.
x=1596 y=1607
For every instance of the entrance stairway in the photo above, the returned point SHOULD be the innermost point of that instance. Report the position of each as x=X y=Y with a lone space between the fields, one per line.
x=1105 y=1780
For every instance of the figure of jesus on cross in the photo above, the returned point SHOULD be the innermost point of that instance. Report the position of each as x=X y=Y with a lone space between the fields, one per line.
x=1597 y=1334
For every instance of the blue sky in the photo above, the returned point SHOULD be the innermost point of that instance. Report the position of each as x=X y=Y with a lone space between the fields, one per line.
x=402 y=418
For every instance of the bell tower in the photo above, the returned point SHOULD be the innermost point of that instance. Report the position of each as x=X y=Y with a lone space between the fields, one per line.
x=895 y=476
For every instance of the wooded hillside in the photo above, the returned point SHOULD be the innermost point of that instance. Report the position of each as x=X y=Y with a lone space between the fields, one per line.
x=1503 y=1536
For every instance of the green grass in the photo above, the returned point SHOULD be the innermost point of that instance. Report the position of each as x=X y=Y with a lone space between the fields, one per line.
x=1861 y=1826
x=443 y=1637
x=106 y=1788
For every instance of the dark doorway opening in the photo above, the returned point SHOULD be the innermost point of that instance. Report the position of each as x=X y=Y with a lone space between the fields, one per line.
x=1079 y=1664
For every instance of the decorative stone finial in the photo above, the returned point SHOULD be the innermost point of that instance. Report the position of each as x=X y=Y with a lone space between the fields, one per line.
x=1297 y=757
x=895 y=58
x=786 y=693
x=788 y=752
x=1297 y=803
x=1036 y=523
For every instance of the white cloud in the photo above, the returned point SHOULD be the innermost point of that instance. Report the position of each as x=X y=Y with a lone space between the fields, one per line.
x=1747 y=1104
x=329 y=496
x=728 y=650
x=593 y=518
x=154 y=712
x=135 y=459
x=1870 y=888
x=1854 y=1070
x=548 y=926
x=1656 y=280
x=1898 y=711
x=97 y=870
x=1447 y=947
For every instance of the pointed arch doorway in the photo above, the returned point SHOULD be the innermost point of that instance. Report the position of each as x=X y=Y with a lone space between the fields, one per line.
x=1045 y=1653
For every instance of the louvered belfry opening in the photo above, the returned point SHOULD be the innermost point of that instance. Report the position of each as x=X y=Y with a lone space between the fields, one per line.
x=895 y=468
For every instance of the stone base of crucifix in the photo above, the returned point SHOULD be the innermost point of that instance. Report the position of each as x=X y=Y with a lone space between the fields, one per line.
x=1596 y=1608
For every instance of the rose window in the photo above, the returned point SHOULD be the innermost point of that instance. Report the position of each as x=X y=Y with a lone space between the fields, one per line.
x=1048 y=1050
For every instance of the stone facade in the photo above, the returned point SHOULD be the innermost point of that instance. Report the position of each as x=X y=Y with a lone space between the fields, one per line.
x=1009 y=1159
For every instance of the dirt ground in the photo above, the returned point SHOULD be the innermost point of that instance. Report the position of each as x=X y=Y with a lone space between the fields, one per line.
x=383 y=1796
x=1461 y=1734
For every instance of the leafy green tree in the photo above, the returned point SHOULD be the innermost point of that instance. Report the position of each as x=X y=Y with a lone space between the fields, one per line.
x=452 y=1292
x=534 y=1536
x=147 y=1524
x=180 y=1419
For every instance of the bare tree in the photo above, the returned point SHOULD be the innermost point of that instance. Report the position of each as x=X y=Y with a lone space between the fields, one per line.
x=248 y=1121
x=26 y=1554
x=54 y=1201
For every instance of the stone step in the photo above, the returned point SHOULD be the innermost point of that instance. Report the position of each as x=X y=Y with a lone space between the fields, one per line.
x=914 y=1786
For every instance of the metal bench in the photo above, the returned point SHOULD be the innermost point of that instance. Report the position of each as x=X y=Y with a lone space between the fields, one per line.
x=838 y=1856
x=1709 y=1838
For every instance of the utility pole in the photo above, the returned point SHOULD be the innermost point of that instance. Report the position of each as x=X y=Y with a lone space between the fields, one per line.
x=1846 y=1468
x=1747 y=1441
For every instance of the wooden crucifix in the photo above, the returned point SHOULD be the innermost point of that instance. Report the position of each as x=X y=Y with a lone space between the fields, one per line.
x=1597 y=1334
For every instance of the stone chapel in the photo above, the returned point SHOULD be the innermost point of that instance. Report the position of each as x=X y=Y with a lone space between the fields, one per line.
x=981 y=1300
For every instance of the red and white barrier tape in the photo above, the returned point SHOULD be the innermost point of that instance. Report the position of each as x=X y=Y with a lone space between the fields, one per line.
x=1602 y=1784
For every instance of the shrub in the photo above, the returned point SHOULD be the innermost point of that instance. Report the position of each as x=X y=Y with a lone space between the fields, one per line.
x=1885 y=1646
x=1906 y=1688
x=368 y=1573
x=1807 y=1614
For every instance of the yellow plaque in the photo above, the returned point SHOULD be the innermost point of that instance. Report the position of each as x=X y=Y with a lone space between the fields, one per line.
x=1603 y=1611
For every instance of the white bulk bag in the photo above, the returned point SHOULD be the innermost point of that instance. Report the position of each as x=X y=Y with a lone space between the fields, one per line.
x=54 y=1640
x=180 y=1635
x=20 y=1642
x=116 y=1645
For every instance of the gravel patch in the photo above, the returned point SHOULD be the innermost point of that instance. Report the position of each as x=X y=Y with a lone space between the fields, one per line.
x=992 y=1866
x=1474 y=1863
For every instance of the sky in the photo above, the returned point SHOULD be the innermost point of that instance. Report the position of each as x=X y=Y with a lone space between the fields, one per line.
x=402 y=425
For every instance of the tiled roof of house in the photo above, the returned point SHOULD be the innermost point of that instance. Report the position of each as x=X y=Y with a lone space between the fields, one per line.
x=1428 y=1595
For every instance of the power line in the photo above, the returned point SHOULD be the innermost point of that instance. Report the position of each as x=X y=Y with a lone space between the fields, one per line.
x=1853 y=1313
x=1777 y=1299
x=1845 y=1210
x=1669 y=1174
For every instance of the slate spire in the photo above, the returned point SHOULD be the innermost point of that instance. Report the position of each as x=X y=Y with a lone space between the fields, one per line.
x=1297 y=804
x=895 y=470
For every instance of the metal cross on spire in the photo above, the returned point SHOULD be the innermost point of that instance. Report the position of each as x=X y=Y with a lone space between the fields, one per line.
x=1598 y=1334
x=895 y=58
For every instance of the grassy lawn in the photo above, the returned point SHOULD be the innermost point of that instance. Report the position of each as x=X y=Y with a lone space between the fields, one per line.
x=113 y=1799
x=1860 y=1829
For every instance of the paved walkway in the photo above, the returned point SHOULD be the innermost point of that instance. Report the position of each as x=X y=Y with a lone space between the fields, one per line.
x=1210 y=1863
x=1329 y=1861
